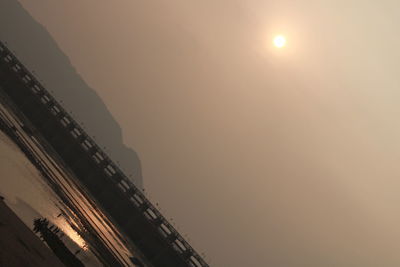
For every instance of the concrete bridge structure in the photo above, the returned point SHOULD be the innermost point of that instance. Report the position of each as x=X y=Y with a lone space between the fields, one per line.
x=156 y=240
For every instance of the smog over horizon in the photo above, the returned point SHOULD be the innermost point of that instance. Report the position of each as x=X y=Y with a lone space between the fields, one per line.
x=265 y=132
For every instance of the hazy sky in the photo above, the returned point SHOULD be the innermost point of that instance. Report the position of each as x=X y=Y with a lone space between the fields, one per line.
x=264 y=157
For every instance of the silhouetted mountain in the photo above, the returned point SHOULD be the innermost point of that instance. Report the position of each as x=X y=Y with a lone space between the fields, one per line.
x=39 y=52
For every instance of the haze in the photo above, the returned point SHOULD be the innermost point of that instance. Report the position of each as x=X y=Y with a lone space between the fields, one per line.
x=263 y=158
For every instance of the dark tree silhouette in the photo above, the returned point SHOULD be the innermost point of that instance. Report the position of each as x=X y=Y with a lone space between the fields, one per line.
x=49 y=235
x=40 y=225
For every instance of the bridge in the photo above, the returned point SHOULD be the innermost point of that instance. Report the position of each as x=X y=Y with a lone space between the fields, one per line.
x=156 y=240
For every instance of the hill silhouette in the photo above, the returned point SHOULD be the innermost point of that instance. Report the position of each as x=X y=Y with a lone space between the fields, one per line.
x=39 y=52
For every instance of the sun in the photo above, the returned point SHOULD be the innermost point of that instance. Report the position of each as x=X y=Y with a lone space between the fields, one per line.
x=279 y=41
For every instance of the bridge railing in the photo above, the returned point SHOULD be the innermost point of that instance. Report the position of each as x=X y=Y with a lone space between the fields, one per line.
x=115 y=174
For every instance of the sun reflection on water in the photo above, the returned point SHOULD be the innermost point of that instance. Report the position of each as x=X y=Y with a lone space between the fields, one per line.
x=71 y=233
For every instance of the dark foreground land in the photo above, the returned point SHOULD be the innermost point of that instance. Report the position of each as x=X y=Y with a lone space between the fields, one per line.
x=19 y=246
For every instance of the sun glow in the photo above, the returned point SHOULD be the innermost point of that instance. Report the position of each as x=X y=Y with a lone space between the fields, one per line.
x=279 y=41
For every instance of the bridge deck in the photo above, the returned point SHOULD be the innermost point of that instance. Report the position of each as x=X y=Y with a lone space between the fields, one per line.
x=143 y=224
